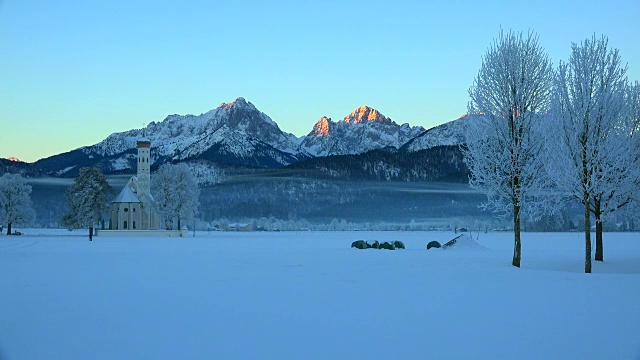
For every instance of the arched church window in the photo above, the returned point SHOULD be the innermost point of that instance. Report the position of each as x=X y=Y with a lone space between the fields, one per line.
x=134 y=224
x=124 y=226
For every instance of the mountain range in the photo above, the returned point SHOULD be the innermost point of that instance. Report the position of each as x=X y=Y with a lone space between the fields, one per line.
x=238 y=134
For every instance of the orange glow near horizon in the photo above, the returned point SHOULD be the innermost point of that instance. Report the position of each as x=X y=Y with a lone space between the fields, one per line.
x=468 y=114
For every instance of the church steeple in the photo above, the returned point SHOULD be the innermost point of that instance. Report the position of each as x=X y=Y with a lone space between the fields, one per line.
x=133 y=208
x=144 y=167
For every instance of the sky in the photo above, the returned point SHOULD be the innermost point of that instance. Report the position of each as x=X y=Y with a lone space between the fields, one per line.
x=74 y=72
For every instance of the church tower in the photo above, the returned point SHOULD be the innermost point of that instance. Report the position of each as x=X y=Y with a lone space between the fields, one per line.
x=144 y=168
x=133 y=208
x=144 y=177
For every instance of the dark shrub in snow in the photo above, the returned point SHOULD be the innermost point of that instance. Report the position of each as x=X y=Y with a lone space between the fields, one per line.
x=387 y=246
x=359 y=244
x=433 y=244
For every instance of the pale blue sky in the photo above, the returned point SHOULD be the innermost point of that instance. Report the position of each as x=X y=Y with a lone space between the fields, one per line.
x=73 y=72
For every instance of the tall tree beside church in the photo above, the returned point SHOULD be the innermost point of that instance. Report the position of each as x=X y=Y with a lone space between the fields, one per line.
x=512 y=91
x=87 y=200
x=15 y=203
x=176 y=194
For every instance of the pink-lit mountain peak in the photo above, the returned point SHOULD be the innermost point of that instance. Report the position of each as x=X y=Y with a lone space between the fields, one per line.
x=322 y=127
x=364 y=114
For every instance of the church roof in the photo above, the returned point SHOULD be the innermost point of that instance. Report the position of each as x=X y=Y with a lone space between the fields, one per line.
x=126 y=196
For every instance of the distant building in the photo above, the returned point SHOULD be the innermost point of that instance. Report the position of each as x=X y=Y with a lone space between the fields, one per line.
x=133 y=208
x=240 y=227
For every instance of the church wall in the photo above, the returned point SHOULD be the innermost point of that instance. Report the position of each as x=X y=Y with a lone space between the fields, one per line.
x=125 y=216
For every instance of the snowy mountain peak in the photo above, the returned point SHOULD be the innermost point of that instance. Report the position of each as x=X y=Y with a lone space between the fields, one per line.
x=363 y=130
x=365 y=114
x=238 y=103
x=244 y=113
x=237 y=133
x=449 y=133
x=322 y=127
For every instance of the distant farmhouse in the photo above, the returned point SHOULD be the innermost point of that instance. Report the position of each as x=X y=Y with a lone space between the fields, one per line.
x=133 y=208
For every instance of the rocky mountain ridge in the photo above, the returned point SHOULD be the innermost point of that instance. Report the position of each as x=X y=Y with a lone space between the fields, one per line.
x=363 y=130
x=238 y=134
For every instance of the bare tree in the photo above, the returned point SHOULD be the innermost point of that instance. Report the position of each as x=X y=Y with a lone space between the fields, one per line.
x=176 y=194
x=589 y=141
x=633 y=98
x=617 y=170
x=87 y=200
x=512 y=91
x=15 y=203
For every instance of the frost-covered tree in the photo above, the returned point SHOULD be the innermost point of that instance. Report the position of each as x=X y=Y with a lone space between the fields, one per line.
x=15 y=202
x=634 y=107
x=512 y=91
x=87 y=200
x=163 y=199
x=176 y=194
x=590 y=147
x=618 y=178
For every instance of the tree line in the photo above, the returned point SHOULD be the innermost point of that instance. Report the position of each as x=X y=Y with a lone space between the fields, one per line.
x=176 y=198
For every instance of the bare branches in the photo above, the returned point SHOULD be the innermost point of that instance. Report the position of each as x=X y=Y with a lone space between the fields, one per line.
x=15 y=202
x=176 y=194
x=513 y=92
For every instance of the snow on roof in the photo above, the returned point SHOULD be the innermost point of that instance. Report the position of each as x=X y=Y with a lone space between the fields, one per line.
x=126 y=196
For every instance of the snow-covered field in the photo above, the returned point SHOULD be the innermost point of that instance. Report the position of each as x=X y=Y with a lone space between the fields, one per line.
x=310 y=296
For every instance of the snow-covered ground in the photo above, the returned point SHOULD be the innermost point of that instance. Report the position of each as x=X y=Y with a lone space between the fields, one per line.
x=310 y=296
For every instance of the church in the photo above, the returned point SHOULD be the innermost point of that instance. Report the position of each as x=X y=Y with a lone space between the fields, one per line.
x=133 y=208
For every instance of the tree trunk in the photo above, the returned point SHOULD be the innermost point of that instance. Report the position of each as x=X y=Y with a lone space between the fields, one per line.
x=599 y=251
x=587 y=234
x=9 y=228
x=598 y=215
x=179 y=227
x=516 y=233
x=585 y=202
x=90 y=233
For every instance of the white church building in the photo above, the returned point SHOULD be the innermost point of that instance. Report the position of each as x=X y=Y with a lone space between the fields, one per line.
x=133 y=208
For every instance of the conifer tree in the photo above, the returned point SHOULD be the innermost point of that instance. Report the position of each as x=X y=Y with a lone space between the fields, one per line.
x=87 y=200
